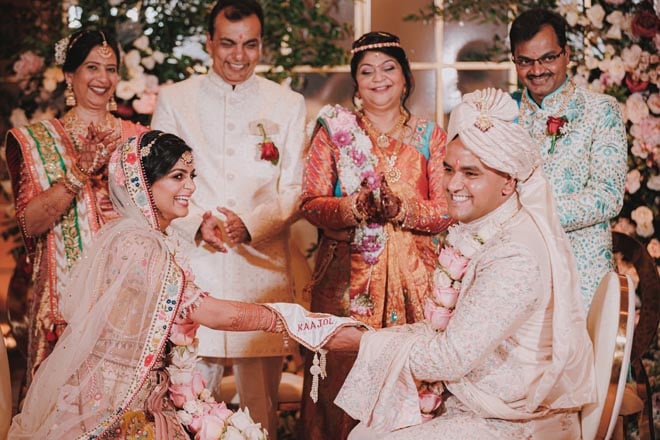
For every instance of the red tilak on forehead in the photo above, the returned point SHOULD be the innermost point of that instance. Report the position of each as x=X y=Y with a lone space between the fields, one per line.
x=241 y=37
x=457 y=164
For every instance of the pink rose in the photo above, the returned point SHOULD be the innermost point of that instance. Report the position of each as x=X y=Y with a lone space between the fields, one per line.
x=437 y=316
x=429 y=402
x=180 y=394
x=633 y=181
x=445 y=296
x=654 y=103
x=211 y=427
x=28 y=64
x=183 y=333
x=454 y=263
x=198 y=383
x=221 y=411
x=196 y=423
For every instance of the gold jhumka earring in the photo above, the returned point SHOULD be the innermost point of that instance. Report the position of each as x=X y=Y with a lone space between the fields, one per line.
x=112 y=104
x=69 y=96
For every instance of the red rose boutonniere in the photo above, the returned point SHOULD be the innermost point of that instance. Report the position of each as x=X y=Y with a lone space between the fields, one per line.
x=555 y=128
x=268 y=149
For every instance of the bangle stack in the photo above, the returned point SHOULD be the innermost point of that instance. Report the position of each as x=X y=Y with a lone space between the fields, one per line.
x=358 y=213
x=74 y=180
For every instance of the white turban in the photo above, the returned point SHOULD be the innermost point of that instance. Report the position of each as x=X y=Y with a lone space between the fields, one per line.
x=485 y=123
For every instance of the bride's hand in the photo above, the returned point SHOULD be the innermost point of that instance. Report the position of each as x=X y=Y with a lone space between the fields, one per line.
x=346 y=339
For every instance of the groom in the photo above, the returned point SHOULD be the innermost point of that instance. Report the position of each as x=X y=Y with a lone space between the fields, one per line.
x=515 y=358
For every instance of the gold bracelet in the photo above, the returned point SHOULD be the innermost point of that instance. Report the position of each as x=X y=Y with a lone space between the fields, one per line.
x=400 y=216
x=79 y=174
x=71 y=183
x=359 y=216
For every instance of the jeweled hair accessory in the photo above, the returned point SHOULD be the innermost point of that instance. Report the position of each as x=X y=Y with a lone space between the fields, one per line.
x=60 y=50
x=187 y=157
x=104 y=50
x=375 y=46
x=146 y=150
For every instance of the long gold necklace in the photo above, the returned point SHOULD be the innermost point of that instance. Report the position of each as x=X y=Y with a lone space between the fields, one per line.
x=392 y=173
x=382 y=138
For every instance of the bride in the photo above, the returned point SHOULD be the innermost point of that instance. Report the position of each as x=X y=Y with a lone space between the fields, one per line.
x=133 y=308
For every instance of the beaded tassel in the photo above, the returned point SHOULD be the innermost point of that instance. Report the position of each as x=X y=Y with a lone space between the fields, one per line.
x=317 y=369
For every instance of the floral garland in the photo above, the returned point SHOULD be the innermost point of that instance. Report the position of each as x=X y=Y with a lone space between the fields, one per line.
x=453 y=261
x=356 y=164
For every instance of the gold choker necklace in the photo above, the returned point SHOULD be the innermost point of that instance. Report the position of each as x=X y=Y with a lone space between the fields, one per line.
x=383 y=138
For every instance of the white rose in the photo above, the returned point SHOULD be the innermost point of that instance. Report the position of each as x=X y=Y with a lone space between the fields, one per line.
x=142 y=42
x=132 y=59
x=596 y=14
x=139 y=84
x=232 y=434
x=441 y=279
x=149 y=62
x=254 y=432
x=241 y=419
x=590 y=61
x=179 y=376
x=49 y=84
x=617 y=70
x=194 y=407
x=572 y=18
x=633 y=181
x=18 y=118
x=645 y=229
x=43 y=115
x=636 y=108
x=125 y=90
x=158 y=56
x=642 y=214
x=184 y=417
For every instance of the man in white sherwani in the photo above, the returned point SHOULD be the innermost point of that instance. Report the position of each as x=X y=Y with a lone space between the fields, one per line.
x=515 y=358
x=247 y=137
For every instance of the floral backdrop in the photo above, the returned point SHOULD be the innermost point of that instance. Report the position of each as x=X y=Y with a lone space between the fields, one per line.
x=616 y=46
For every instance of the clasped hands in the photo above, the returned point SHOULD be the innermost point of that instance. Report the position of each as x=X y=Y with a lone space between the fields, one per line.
x=235 y=229
x=96 y=149
x=372 y=209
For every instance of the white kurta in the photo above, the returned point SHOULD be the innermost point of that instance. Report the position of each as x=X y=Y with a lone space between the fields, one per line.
x=219 y=122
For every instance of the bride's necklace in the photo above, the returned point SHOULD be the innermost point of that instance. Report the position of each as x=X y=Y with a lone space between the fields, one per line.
x=382 y=138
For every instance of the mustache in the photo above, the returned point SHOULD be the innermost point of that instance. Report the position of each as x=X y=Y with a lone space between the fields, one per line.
x=543 y=75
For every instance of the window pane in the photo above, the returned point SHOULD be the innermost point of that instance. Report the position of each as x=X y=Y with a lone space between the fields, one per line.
x=417 y=38
x=468 y=41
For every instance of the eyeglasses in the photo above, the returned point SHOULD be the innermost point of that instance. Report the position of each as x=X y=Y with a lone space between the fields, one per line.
x=544 y=60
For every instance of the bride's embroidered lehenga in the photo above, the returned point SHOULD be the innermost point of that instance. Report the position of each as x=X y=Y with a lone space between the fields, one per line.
x=106 y=375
